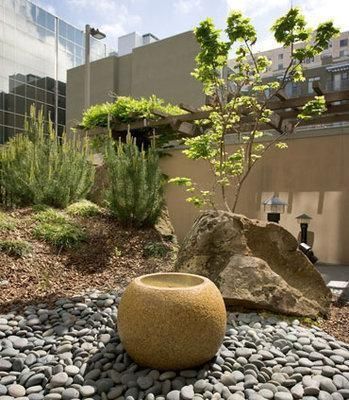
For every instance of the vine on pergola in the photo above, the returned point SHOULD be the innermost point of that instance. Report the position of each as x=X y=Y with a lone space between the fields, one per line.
x=244 y=95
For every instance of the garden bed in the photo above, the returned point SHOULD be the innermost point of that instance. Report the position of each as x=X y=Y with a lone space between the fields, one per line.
x=108 y=257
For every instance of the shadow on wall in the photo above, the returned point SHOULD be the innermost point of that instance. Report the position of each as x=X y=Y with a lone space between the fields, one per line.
x=311 y=175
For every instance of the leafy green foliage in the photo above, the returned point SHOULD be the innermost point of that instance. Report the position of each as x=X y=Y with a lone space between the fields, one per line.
x=155 y=249
x=126 y=109
x=84 y=208
x=57 y=229
x=38 y=167
x=49 y=215
x=136 y=183
x=60 y=232
x=244 y=94
x=6 y=222
x=15 y=248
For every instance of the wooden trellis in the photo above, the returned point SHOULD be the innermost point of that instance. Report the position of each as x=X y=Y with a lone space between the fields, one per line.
x=285 y=111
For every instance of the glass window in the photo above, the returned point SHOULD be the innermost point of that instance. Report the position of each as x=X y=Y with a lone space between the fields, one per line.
x=70 y=47
x=20 y=89
x=9 y=119
x=280 y=56
x=8 y=132
x=30 y=92
x=50 y=22
x=61 y=87
x=50 y=84
x=19 y=121
x=2 y=138
x=1 y=118
x=345 y=75
x=2 y=101
x=41 y=16
x=62 y=28
x=50 y=98
x=28 y=104
x=61 y=116
x=280 y=66
x=40 y=83
x=20 y=105
x=70 y=32
x=343 y=42
x=78 y=37
x=50 y=113
x=40 y=95
x=61 y=101
x=9 y=102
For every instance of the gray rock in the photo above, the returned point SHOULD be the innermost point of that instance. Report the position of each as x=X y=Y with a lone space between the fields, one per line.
x=187 y=392
x=70 y=393
x=283 y=396
x=145 y=382
x=59 y=380
x=16 y=390
x=173 y=395
x=5 y=365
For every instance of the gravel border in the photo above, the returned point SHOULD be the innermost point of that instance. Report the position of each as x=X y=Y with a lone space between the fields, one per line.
x=72 y=351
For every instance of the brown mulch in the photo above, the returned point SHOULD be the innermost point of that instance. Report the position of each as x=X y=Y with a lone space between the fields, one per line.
x=48 y=273
x=337 y=323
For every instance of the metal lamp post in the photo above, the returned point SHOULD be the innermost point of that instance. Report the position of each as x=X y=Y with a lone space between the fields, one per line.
x=274 y=207
x=304 y=221
x=97 y=35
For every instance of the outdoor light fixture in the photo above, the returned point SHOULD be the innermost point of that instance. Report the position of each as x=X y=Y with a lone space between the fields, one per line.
x=304 y=221
x=274 y=207
x=97 y=34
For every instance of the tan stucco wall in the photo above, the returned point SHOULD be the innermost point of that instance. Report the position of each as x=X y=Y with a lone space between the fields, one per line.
x=162 y=68
x=103 y=82
x=312 y=175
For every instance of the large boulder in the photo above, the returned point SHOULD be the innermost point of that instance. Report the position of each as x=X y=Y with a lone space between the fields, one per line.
x=254 y=264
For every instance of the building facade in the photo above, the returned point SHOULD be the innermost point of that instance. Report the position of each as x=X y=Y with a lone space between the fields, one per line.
x=36 y=49
x=160 y=67
x=330 y=68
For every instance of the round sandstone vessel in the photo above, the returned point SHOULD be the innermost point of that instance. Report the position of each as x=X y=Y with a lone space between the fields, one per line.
x=171 y=320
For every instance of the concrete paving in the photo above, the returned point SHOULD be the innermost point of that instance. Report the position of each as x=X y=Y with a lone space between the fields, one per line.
x=337 y=279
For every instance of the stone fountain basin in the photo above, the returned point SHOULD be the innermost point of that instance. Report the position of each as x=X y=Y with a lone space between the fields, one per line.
x=171 y=320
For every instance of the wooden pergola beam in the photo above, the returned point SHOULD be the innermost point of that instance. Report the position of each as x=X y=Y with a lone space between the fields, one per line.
x=285 y=109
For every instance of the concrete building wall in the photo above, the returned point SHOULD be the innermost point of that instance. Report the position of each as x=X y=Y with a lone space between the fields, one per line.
x=312 y=175
x=162 y=68
x=103 y=83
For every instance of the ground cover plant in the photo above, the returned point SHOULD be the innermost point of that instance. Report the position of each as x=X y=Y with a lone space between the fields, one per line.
x=57 y=229
x=38 y=167
x=243 y=95
x=17 y=248
x=84 y=208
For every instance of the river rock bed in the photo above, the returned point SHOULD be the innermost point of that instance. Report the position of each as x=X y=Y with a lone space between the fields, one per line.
x=72 y=351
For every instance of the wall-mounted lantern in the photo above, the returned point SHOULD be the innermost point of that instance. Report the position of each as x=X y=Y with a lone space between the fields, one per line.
x=304 y=221
x=274 y=207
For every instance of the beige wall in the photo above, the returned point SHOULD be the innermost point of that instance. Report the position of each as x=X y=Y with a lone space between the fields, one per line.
x=312 y=175
x=103 y=76
x=162 y=68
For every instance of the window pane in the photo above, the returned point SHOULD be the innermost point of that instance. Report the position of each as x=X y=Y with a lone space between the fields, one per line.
x=20 y=105
x=9 y=102
x=50 y=22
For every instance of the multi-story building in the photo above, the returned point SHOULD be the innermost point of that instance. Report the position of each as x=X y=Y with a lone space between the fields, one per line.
x=330 y=68
x=36 y=49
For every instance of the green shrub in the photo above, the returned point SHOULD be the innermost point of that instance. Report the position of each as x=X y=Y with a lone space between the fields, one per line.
x=38 y=167
x=155 y=249
x=127 y=109
x=60 y=234
x=6 y=223
x=136 y=183
x=84 y=208
x=49 y=215
x=16 y=248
